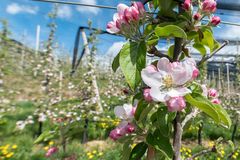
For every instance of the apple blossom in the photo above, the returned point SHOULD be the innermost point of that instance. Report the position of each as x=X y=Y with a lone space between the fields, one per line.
x=195 y=73
x=212 y=93
x=209 y=6
x=146 y=94
x=215 y=20
x=216 y=101
x=197 y=16
x=51 y=151
x=176 y=104
x=112 y=27
x=130 y=128
x=125 y=112
x=205 y=90
x=187 y=5
x=125 y=15
x=139 y=6
x=168 y=79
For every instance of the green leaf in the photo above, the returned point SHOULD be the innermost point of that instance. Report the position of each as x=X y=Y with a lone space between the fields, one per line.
x=204 y=105
x=170 y=31
x=140 y=107
x=145 y=112
x=138 y=151
x=115 y=63
x=171 y=51
x=223 y=115
x=126 y=150
x=132 y=60
x=160 y=143
x=45 y=136
x=200 y=48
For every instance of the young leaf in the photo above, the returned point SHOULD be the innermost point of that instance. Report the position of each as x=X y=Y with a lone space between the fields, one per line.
x=160 y=143
x=200 y=48
x=138 y=151
x=223 y=115
x=126 y=150
x=115 y=63
x=132 y=60
x=140 y=107
x=170 y=31
x=204 y=105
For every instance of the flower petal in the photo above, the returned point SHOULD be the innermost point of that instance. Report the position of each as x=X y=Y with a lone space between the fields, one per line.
x=164 y=65
x=181 y=91
x=119 y=111
x=158 y=95
x=152 y=78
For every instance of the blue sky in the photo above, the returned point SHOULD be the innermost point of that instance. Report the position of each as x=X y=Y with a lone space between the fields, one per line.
x=25 y=15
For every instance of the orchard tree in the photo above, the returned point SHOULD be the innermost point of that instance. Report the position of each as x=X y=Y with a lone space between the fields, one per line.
x=167 y=93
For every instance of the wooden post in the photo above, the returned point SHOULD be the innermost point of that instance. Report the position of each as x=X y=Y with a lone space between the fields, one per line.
x=37 y=39
x=228 y=78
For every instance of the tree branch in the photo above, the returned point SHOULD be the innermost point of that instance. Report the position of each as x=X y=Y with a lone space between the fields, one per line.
x=205 y=58
x=190 y=116
x=203 y=152
x=155 y=52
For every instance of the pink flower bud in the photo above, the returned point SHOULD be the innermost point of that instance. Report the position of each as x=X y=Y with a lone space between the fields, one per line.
x=121 y=8
x=131 y=14
x=117 y=133
x=212 y=93
x=146 y=94
x=216 y=101
x=135 y=13
x=187 y=5
x=133 y=110
x=139 y=6
x=51 y=151
x=209 y=6
x=130 y=128
x=197 y=16
x=215 y=20
x=195 y=73
x=176 y=104
x=112 y=27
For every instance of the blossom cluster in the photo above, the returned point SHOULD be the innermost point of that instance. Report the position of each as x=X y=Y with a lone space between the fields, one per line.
x=167 y=82
x=207 y=7
x=211 y=94
x=127 y=18
x=126 y=114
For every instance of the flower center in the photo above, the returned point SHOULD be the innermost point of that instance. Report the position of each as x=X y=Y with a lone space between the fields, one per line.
x=168 y=81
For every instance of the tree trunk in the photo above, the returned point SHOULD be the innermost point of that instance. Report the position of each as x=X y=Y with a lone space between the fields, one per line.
x=177 y=139
x=95 y=86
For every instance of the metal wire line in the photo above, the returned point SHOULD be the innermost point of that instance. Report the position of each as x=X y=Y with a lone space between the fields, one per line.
x=113 y=8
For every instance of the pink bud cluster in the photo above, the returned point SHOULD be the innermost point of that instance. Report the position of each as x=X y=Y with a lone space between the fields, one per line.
x=51 y=151
x=126 y=113
x=176 y=104
x=207 y=7
x=213 y=95
x=121 y=131
x=125 y=16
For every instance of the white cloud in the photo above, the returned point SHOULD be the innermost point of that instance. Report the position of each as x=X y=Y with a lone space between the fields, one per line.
x=15 y=8
x=84 y=9
x=64 y=12
x=114 y=49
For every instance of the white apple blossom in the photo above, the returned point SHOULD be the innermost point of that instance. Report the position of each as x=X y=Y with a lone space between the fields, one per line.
x=125 y=112
x=168 y=79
